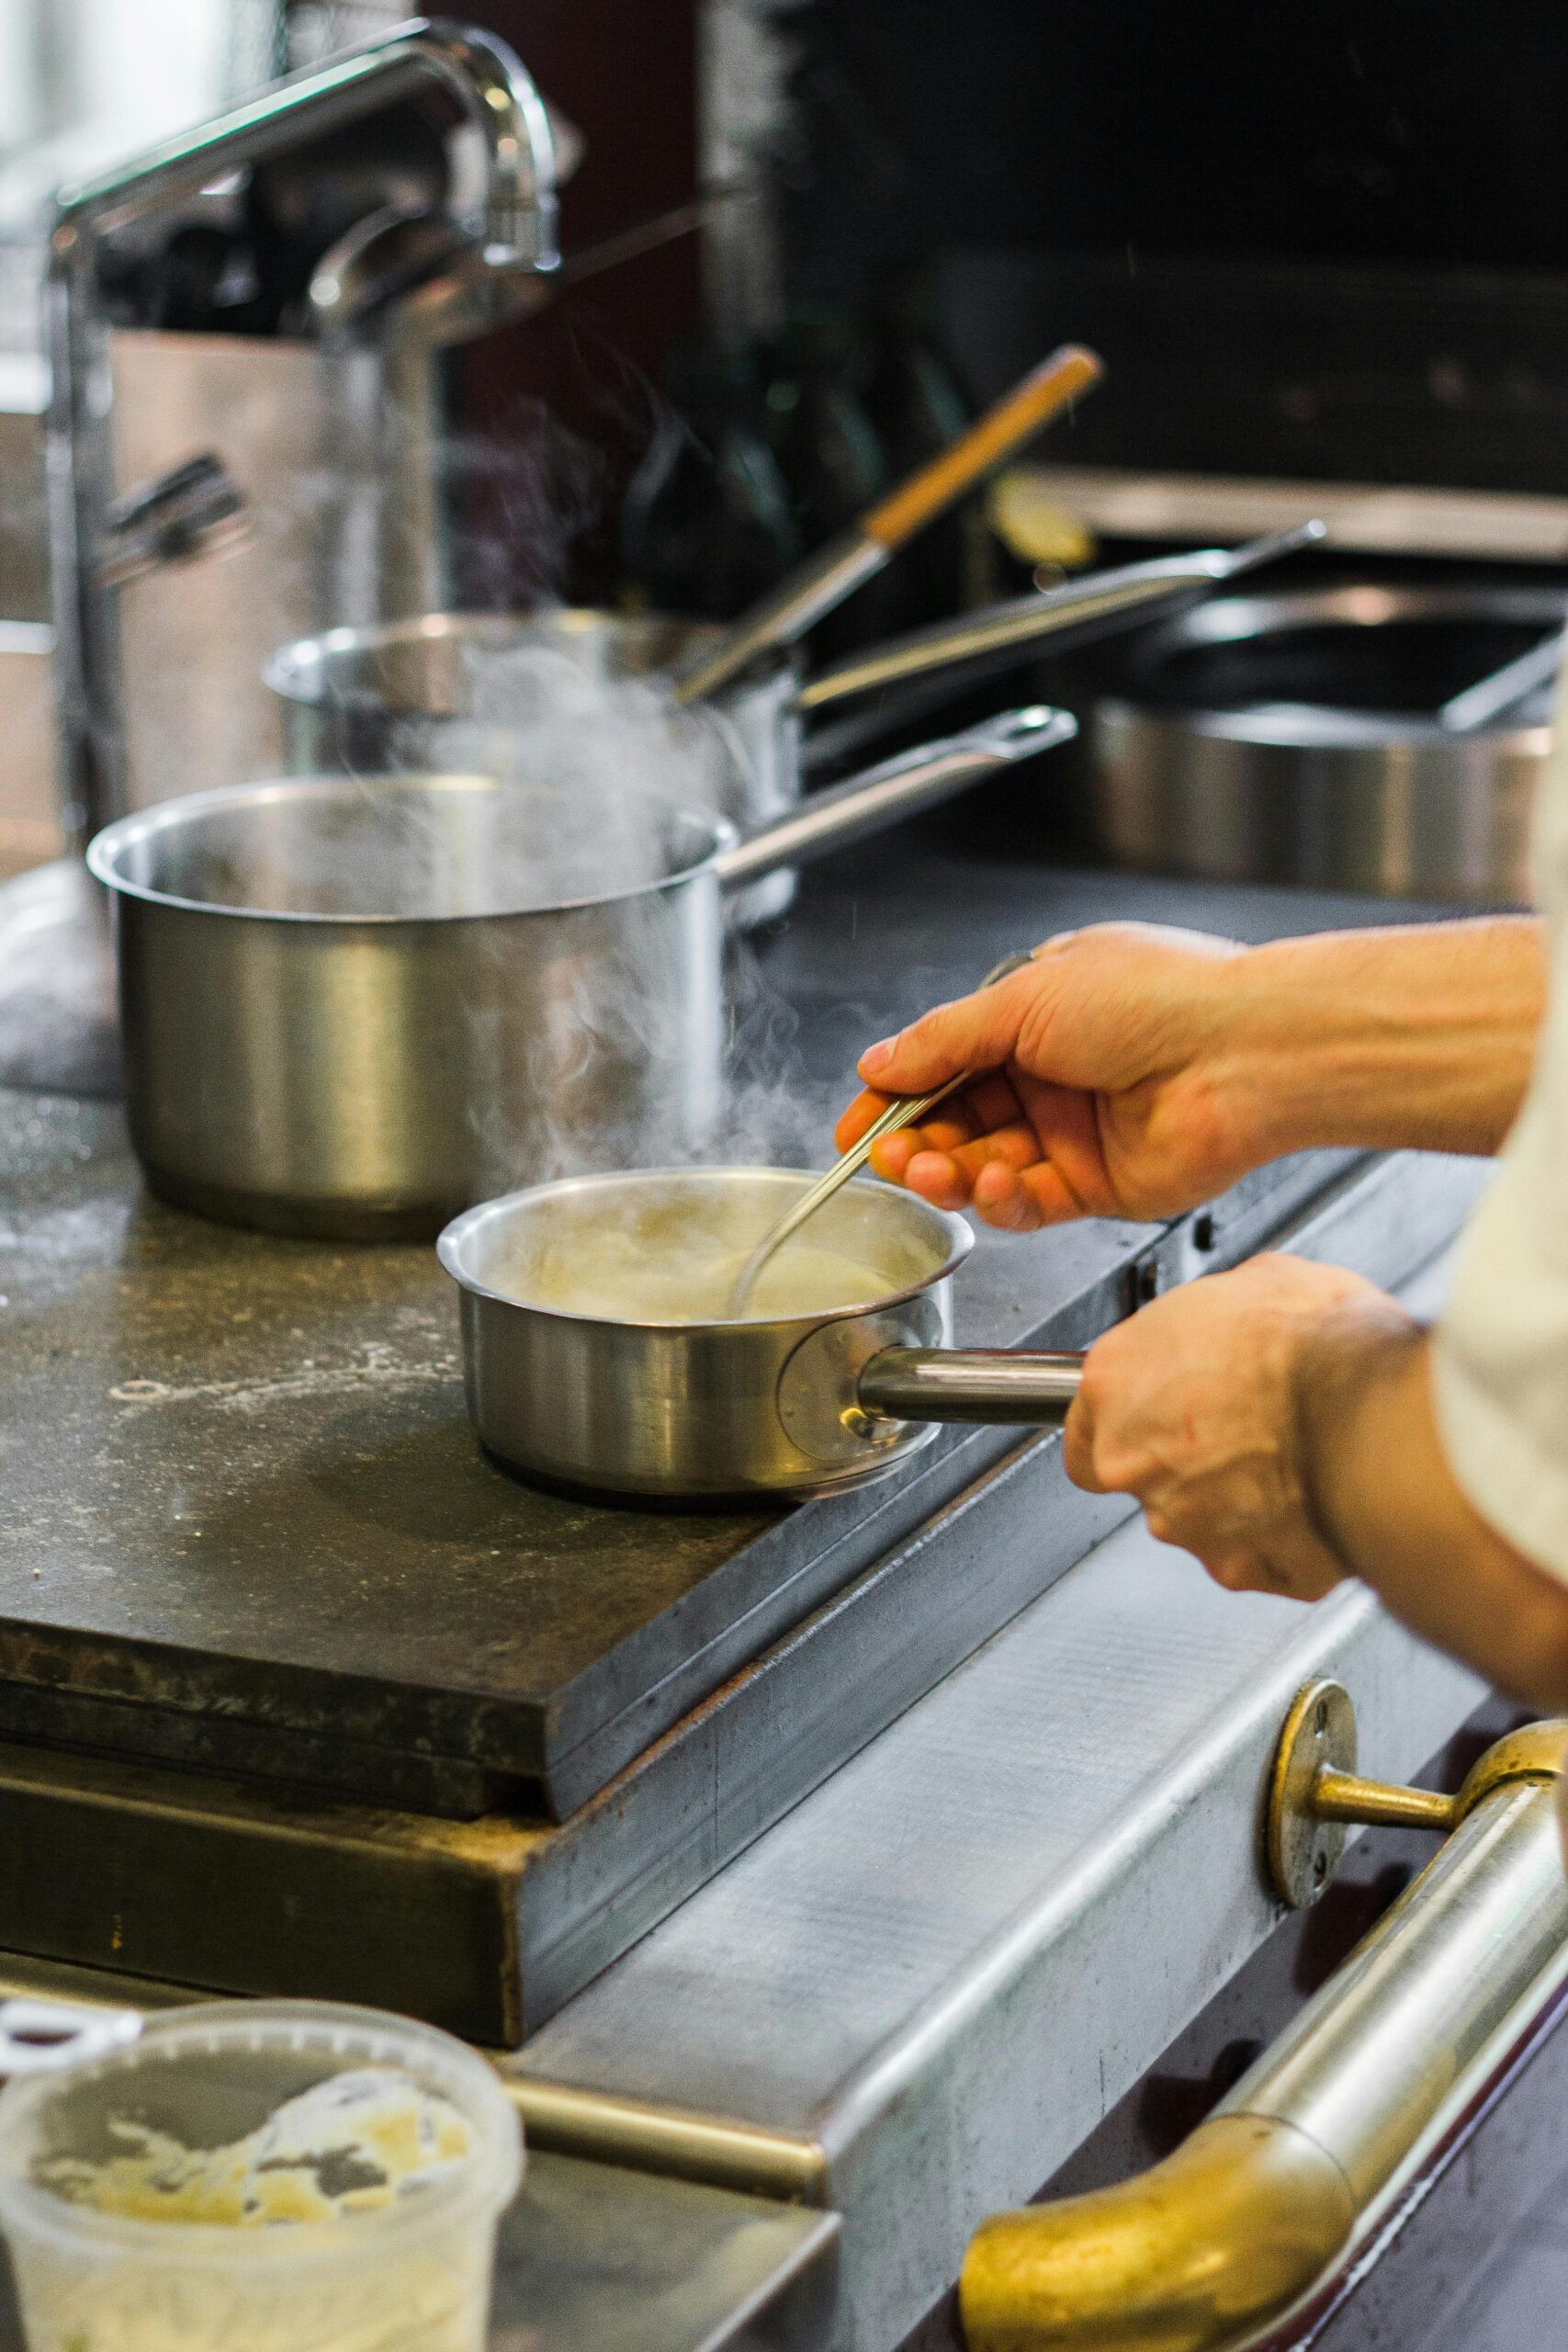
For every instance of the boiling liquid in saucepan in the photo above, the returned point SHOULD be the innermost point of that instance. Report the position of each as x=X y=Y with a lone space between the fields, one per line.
x=689 y=1282
x=674 y=1258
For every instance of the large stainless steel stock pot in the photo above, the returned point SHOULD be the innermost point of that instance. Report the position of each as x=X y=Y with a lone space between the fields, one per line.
x=351 y=1007
x=797 y=1403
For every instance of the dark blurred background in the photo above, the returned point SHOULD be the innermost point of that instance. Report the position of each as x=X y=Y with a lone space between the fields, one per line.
x=1327 y=243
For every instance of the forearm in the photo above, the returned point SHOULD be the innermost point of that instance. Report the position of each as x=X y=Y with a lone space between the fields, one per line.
x=1420 y=1036
x=1385 y=1500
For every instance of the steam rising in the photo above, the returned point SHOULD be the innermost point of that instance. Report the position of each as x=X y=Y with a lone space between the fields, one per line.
x=701 y=1080
x=632 y=1061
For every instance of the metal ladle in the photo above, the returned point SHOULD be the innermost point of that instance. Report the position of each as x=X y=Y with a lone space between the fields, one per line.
x=904 y=1111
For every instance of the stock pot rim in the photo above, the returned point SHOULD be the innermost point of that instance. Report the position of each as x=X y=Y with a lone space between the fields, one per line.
x=300 y=672
x=1353 y=604
x=107 y=847
x=450 y=1242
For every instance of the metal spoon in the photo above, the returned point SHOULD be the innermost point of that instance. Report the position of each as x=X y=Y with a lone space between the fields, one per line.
x=904 y=1111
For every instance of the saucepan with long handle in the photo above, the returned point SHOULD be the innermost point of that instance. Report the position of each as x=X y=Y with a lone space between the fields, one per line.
x=476 y=691
x=349 y=1006
x=597 y=1353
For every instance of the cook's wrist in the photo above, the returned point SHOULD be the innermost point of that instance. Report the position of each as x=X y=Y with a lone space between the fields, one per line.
x=1420 y=1035
x=1348 y=1373
x=1265 y=1054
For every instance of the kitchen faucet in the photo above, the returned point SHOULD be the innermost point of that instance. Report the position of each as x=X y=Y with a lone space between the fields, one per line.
x=267 y=416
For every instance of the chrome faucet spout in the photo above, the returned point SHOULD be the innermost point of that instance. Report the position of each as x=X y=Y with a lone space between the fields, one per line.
x=516 y=219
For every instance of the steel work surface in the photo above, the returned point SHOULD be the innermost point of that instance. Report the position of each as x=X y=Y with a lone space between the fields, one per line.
x=921 y=1991
x=249 y=1886
x=249 y=1527
x=593 y=2258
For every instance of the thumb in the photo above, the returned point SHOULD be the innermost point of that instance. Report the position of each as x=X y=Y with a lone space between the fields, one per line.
x=977 y=1031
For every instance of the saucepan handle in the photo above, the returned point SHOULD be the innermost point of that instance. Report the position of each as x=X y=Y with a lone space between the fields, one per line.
x=1128 y=595
x=985 y=1385
x=896 y=789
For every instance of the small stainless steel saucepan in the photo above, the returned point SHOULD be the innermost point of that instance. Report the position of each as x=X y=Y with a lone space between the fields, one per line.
x=352 y=1006
x=789 y=1405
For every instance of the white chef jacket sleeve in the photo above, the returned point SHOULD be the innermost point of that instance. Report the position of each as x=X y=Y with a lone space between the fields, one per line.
x=1500 y=1364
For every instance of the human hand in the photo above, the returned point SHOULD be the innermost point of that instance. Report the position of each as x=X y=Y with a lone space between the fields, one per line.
x=1110 y=1086
x=1194 y=1405
x=1134 y=1071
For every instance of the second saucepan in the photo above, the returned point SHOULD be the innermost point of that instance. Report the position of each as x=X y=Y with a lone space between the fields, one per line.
x=467 y=691
x=352 y=1006
x=597 y=1355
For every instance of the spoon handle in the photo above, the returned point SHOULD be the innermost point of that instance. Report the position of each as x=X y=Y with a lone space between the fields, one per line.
x=904 y=1111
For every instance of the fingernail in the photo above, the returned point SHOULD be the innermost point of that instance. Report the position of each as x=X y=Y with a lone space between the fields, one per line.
x=876 y=1056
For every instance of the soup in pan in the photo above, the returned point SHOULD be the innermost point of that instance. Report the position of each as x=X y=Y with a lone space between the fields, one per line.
x=691 y=1281
x=672 y=1256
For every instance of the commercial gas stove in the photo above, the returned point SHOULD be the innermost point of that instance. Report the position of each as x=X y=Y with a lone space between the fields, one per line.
x=298 y=1694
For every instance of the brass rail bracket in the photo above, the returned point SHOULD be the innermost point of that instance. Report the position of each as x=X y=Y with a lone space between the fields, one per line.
x=1315 y=1792
x=1305 y=1850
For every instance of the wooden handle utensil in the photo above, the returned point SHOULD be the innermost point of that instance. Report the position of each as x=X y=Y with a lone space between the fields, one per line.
x=817 y=587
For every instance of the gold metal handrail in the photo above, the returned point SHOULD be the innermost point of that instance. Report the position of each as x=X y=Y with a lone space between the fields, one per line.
x=1244 y=2220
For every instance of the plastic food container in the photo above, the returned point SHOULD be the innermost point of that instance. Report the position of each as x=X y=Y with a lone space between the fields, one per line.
x=338 y=2215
